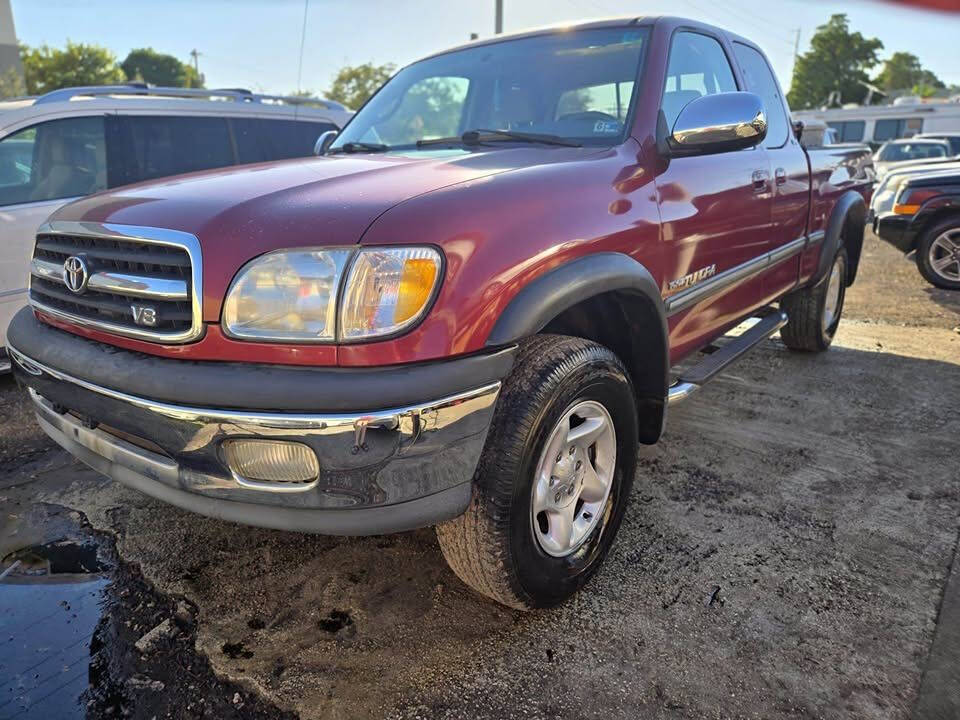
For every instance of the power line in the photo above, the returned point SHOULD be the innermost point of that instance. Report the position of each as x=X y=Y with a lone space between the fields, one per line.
x=757 y=22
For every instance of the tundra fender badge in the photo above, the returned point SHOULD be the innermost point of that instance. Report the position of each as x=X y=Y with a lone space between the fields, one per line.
x=692 y=278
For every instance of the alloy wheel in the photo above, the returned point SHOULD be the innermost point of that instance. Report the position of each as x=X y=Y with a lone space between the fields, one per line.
x=573 y=478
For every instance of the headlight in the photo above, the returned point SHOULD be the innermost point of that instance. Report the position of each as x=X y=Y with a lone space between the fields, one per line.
x=387 y=290
x=288 y=295
x=291 y=296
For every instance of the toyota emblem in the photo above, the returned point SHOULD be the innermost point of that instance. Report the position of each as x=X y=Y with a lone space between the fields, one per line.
x=75 y=274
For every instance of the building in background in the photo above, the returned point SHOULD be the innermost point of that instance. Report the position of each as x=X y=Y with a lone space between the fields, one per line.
x=9 y=51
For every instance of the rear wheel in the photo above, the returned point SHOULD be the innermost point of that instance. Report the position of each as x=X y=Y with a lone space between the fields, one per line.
x=554 y=477
x=814 y=312
x=938 y=255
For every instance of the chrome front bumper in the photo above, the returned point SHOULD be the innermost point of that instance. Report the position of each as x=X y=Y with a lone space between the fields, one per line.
x=385 y=471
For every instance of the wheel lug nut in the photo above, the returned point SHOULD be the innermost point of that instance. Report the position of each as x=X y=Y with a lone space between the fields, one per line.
x=587 y=515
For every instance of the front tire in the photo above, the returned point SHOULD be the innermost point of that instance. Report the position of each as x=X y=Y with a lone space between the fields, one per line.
x=554 y=477
x=938 y=255
x=814 y=312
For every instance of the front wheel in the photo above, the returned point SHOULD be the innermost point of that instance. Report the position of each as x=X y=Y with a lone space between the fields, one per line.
x=814 y=312
x=554 y=477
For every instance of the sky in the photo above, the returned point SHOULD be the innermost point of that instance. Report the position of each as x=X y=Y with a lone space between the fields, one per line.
x=256 y=43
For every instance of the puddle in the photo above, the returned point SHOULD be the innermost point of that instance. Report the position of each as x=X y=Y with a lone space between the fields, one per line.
x=50 y=604
x=84 y=635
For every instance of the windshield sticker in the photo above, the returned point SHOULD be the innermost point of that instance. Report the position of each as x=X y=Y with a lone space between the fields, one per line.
x=606 y=127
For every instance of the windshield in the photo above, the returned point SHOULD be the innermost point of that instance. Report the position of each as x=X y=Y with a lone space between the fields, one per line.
x=894 y=152
x=573 y=85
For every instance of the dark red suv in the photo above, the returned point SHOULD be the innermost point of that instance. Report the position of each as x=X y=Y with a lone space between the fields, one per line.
x=465 y=313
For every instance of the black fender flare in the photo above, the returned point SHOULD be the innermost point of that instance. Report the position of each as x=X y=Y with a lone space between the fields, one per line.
x=561 y=288
x=850 y=203
x=931 y=211
x=643 y=344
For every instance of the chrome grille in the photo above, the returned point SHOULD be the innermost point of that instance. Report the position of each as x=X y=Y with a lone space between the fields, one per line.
x=139 y=282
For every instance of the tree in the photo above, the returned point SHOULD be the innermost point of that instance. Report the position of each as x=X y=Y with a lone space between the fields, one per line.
x=148 y=65
x=902 y=71
x=46 y=69
x=11 y=84
x=837 y=63
x=355 y=83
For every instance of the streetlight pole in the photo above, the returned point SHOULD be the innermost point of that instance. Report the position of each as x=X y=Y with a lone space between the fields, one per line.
x=498 y=22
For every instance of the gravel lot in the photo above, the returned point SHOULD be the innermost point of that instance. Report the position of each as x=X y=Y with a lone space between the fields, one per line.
x=785 y=554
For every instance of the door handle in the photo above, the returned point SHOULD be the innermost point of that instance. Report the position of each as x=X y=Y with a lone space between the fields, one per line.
x=760 y=178
x=781 y=176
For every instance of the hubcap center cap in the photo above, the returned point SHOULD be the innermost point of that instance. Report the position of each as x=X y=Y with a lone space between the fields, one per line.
x=568 y=475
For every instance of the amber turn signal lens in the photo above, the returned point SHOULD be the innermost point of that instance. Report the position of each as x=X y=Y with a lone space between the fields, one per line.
x=905 y=209
x=416 y=283
x=388 y=290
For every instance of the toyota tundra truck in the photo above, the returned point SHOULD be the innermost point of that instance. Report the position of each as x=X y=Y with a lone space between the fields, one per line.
x=465 y=312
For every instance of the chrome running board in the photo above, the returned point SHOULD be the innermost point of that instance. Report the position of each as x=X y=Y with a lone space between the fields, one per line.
x=693 y=378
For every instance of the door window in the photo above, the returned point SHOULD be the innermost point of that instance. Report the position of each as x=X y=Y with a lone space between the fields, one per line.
x=698 y=66
x=54 y=160
x=261 y=139
x=162 y=145
x=759 y=79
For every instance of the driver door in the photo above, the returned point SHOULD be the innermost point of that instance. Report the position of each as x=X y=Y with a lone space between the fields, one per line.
x=715 y=210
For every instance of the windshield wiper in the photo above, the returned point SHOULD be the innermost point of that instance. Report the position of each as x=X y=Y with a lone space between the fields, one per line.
x=359 y=147
x=483 y=135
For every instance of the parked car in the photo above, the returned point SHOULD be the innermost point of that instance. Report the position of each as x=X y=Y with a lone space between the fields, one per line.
x=465 y=313
x=902 y=153
x=70 y=143
x=886 y=190
x=926 y=219
x=951 y=137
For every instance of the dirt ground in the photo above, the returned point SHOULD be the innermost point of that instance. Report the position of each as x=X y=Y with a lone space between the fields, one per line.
x=784 y=555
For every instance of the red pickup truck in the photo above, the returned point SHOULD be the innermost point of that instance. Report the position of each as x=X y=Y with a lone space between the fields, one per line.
x=464 y=313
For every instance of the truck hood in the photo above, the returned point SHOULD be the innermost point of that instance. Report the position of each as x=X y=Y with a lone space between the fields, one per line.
x=251 y=209
x=238 y=213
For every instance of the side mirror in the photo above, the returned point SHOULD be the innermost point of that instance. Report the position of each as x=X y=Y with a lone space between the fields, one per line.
x=323 y=142
x=718 y=123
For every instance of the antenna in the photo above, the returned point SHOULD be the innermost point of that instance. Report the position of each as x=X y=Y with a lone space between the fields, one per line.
x=303 y=40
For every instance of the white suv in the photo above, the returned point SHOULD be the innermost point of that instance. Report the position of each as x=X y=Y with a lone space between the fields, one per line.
x=70 y=143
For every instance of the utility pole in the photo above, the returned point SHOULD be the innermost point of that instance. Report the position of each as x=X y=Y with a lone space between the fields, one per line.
x=195 y=54
x=498 y=22
x=796 y=48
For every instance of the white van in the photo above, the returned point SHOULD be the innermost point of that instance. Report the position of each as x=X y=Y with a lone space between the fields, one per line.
x=877 y=124
x=70 y=143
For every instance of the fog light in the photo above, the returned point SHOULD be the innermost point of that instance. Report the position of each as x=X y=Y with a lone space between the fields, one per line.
x=255 y=462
